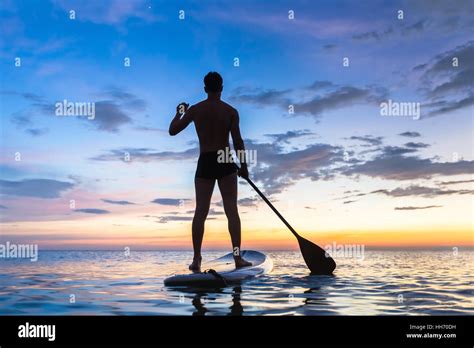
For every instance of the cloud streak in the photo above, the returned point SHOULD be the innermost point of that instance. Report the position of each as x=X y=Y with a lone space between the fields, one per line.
x=368 y=139
x=320 y=97
x=422 y=191
x=111 y=114
x=92 y=211
x=146 y=155
x=38 y=188
x=418 y=208
x=393 y=165
x=111 y=201
x=447 y=80
x=170 y=201
x=409 y=134
x=289 y=135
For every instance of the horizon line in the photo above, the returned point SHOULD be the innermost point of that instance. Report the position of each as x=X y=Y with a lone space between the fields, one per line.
x=437 y=248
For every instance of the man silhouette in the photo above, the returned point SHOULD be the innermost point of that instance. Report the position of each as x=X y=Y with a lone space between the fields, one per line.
x=214 y=120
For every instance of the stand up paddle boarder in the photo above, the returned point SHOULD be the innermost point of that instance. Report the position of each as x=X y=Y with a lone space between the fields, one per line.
x=214 y=120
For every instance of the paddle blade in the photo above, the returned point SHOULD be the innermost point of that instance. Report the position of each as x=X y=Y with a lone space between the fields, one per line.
x=316 y=258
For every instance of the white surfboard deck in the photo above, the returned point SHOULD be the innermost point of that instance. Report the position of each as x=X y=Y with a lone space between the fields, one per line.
x=226 y=272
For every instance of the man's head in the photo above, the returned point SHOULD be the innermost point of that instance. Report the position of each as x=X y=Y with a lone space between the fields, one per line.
x=213 y=83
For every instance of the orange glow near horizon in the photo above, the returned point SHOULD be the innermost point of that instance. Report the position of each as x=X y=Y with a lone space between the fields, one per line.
x=372 y=224
x=146 y=236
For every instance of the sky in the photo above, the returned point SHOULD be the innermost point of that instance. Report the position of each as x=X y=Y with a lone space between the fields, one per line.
x=309 y=80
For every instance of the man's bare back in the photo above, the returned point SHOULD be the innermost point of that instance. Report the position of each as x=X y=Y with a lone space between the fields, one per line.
x=213 y=120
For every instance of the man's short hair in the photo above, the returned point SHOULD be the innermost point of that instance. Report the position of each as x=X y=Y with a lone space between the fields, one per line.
x=213 y=82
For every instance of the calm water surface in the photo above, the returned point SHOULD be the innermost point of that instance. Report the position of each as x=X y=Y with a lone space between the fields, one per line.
x=107 y=282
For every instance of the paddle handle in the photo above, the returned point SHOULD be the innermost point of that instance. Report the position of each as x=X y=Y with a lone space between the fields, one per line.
x=272 y=207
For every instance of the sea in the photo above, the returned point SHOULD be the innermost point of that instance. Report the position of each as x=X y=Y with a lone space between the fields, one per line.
x=411 y=282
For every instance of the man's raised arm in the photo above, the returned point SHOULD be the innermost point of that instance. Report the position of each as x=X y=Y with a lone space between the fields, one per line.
x=179 y=123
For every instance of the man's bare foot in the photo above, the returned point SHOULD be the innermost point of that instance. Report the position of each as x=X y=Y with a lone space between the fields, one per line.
x=196 y=265
x=240 y=262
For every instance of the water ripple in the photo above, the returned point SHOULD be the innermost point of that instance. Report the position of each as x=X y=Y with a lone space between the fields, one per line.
x=384 y=283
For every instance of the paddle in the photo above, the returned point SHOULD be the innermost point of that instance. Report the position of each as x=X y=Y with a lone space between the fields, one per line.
x=316 y=258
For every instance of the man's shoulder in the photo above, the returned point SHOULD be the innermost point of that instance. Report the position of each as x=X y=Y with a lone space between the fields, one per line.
x=230 y=107
x=199 y=104
x=223 y=104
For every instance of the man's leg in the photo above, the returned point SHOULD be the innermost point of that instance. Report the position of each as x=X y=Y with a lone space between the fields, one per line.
x=204 y=188
x=228 y=188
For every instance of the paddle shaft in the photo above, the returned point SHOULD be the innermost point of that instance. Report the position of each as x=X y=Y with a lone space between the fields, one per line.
x=272 y=207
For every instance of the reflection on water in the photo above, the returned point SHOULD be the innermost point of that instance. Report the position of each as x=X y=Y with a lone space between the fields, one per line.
x=102 y=283
x=236 y=308
x=200 y=300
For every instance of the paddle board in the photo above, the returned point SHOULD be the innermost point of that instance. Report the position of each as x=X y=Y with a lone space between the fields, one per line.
x=222 y=271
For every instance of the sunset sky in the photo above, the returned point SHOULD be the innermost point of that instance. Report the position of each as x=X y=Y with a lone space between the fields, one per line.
x=336 y=168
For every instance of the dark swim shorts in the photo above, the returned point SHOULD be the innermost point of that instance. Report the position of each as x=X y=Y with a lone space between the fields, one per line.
x=209 y=168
